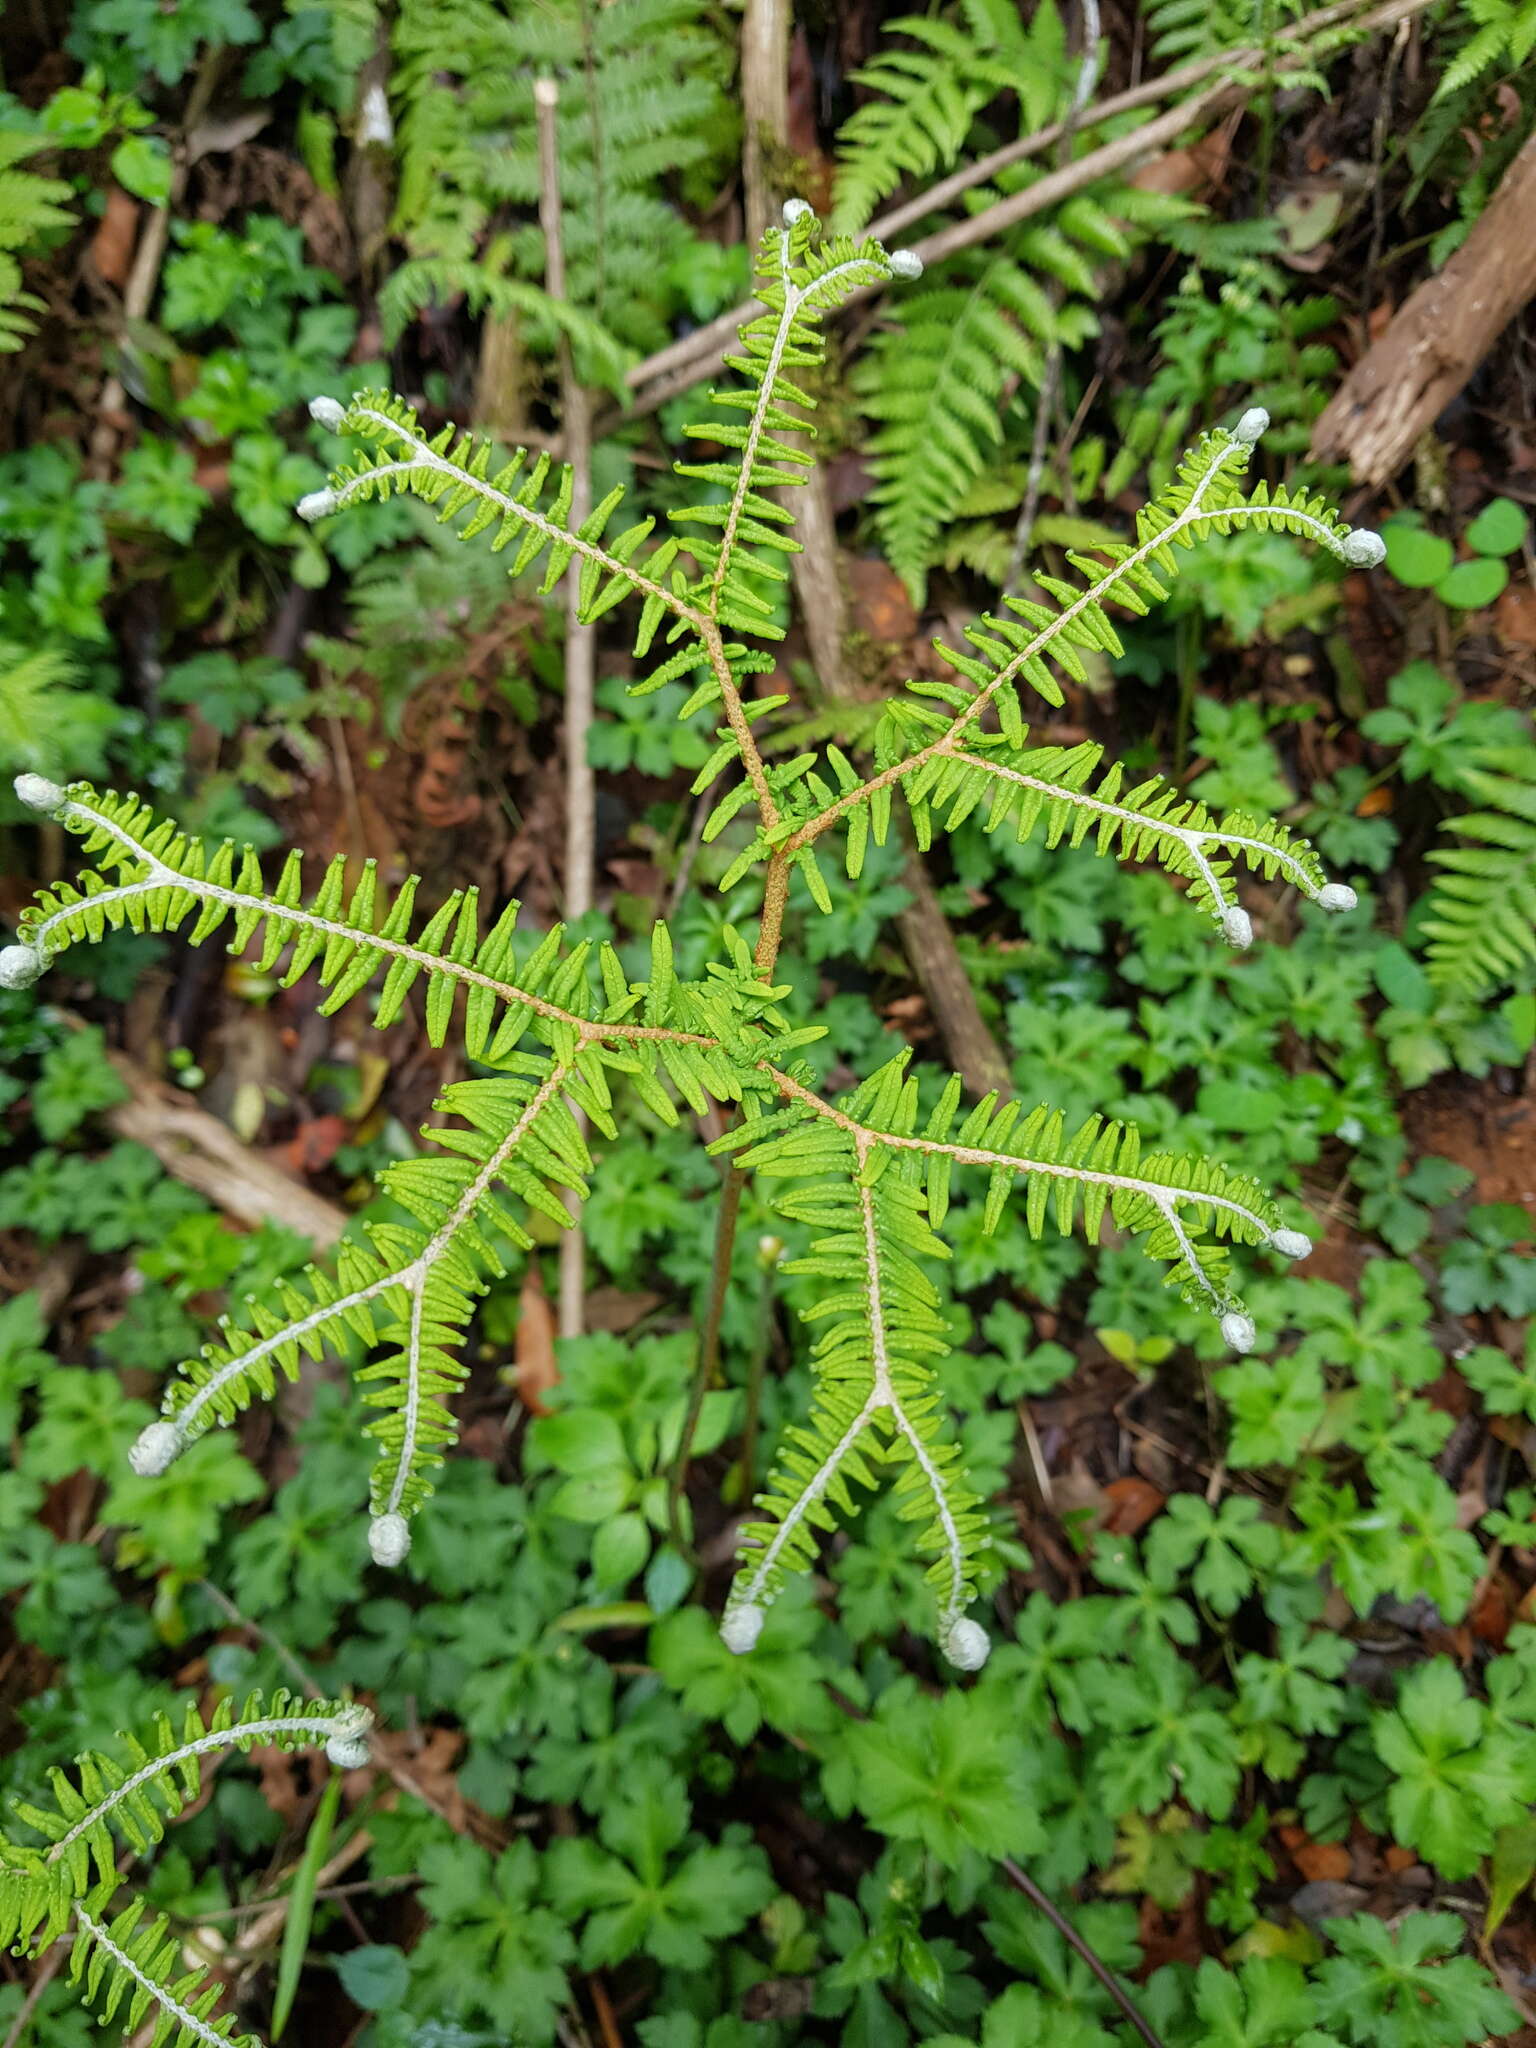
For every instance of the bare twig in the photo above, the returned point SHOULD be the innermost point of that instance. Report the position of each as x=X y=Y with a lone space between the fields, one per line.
x=1050 y=382
x=580 y=639
x=694 y=357
x=1022 y=1881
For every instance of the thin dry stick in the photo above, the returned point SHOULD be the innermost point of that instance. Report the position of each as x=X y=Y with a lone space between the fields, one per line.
x=699 y=355
x=580 y=639
x=1050 y=382
x=1022 y=1881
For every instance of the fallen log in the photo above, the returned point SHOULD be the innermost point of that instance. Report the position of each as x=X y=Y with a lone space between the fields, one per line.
x=1437 y=338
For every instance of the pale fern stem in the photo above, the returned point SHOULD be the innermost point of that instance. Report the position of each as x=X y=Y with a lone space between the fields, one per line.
x=949 y=740
x=424 y=457
x=975 y=1155
x=162 y=877
x=805 y=1501
x=435 y=1249
x=166 y=2000
x=320 y=1727
x=886 y=1396
x=1193 y=838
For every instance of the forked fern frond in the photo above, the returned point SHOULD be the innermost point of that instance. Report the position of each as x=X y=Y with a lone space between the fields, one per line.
x=946 y=752
x=877 y=1399
x=1481 y=924
x=108 y=1799
x=873 y=1177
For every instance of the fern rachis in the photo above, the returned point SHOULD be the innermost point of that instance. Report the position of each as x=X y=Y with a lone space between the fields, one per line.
x=867 y=1175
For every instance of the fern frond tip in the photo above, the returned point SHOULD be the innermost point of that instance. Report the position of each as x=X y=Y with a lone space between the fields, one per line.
x=1252 y=426
x=1336 y=896
x=967 y=1646
x=156 y=1448
x=741 y=1626
x=389 y=1539
x=328 y=413
x=1237 y=925
x=318 y=505
x=1238 y=1329
x=20 y=966
x=347 y=1744
x=39 y=794
x=1291 y=1244
x=1363 y=549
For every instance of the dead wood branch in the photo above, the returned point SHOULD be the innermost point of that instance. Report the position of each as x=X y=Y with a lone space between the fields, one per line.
x=1434 y=342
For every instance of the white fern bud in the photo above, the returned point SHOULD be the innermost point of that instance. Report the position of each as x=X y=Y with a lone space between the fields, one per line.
x=1238 y=1330
x=20 y=966
x=1291 y=1244
x=327 y=413
x=1336 y=896
x=741 y=1627
x=1252 y=424
x=39 y=794
x=156 y=1446
x=347 y=1744
x=389 y=1539
x=318 y=504
x=796 y=209
x=905 y=263
x=1363 y=549
x=1237 y=925
x=967 y=1646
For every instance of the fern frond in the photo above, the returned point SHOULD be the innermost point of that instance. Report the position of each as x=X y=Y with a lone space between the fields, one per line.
x=873 y=1179
x=424 y=281
x=1168 y=1199
x=1045 y=787
x=407 y=1290
x=928 y=96
x=455 y=472
x=126 y=1958
x=40 y=1889
x=1481 y=924
x=876 y=1403
x=30 y=207
x=943 y=756
x=800 y=281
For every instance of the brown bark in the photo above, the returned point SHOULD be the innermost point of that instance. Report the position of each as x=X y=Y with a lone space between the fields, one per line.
x=1436 y=339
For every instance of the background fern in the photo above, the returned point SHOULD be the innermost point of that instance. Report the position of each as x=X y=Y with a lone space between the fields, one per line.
x=642 y=100
x=1480 y=921
x=30 y=206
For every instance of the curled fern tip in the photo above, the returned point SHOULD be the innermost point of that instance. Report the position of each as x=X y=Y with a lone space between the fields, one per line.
x=1291 y=1244
x=967 y=1646
x=1364 y=549
x=1238 y=926
x=328 y=413
x=39 y=794
x=20 y=966
x=347 y=1744
x=1336 y=896
x=1238 y=1330
x=317 y=505
x=1252 y=425
x=741 y=1628
x=157 y=1447
x=389 y=1539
